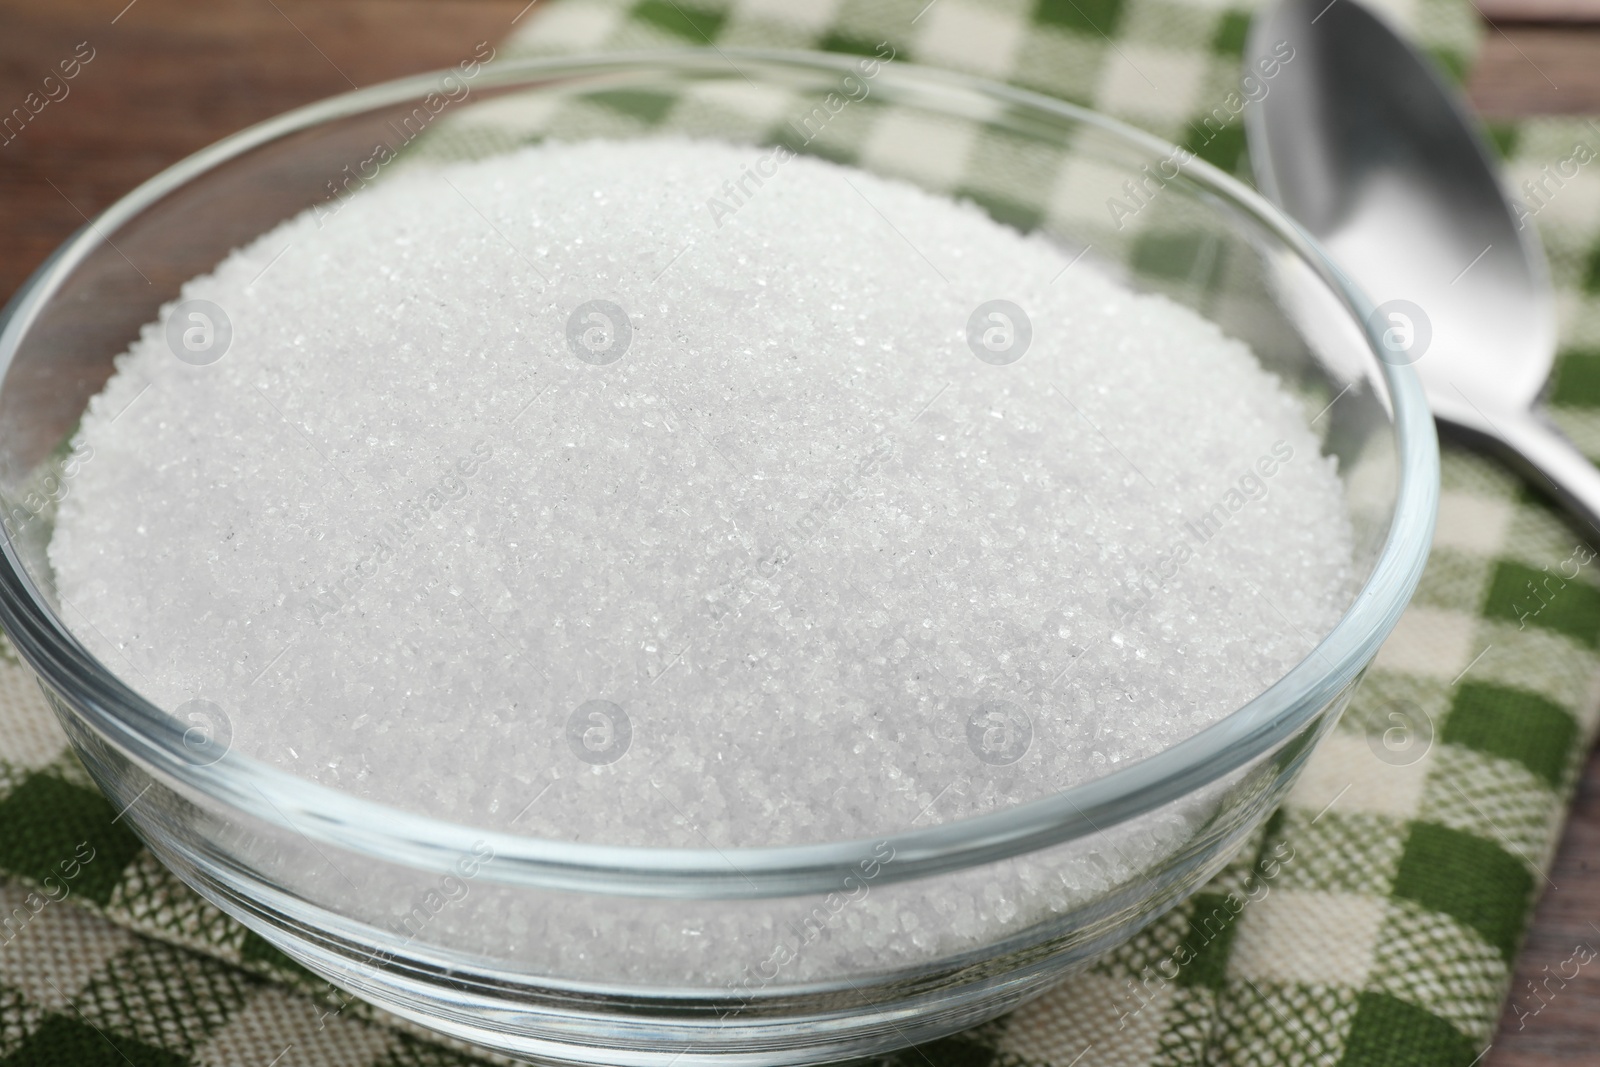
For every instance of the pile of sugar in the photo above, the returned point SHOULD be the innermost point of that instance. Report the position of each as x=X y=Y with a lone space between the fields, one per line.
x=775 y=558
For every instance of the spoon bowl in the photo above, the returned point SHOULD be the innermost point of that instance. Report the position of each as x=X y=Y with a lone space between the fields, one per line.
x=1378 y=158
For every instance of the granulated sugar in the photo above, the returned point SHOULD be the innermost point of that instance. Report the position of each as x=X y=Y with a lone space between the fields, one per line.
x=567 y=493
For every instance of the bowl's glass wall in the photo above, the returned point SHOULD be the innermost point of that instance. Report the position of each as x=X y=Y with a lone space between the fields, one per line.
x=883 y=959
x=810 y=978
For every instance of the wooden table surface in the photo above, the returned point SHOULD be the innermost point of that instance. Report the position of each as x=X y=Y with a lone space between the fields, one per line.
x=169 y=77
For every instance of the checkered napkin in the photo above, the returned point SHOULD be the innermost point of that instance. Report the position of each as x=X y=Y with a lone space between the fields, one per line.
x=1373 y=921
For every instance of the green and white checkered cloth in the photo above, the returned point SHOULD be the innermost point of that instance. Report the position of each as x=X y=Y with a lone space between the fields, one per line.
x=1372 y=922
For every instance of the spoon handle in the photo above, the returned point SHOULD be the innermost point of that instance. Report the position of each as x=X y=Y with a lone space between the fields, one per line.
x=1547 y=458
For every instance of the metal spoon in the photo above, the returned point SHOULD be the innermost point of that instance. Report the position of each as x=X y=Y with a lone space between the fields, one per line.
x=1359 y=140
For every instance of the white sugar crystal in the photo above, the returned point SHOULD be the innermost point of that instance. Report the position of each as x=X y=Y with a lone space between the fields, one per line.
x=798 y=566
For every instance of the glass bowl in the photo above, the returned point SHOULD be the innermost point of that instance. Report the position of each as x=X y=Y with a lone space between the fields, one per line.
x=711 y=953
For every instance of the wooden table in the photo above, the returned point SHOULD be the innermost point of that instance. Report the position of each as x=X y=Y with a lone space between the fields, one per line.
x=169 y=77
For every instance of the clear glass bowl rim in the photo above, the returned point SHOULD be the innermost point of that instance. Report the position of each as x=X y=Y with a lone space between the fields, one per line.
x=143 y=732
